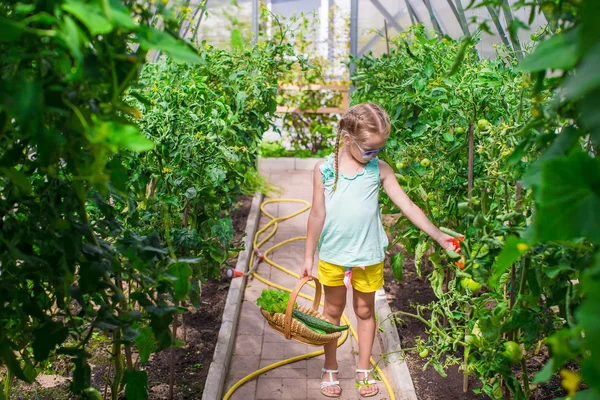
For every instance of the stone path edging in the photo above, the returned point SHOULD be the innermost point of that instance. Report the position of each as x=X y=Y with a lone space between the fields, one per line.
x=400 y=375
x=215 y=381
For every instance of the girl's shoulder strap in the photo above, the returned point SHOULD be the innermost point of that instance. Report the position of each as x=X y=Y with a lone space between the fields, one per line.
x=327 y=168
x=372 y=167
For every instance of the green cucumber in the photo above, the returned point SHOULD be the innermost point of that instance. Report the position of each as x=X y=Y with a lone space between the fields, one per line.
x=317 y=323
x=321 y=331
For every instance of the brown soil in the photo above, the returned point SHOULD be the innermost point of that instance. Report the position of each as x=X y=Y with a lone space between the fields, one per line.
x=192 y=360
x=429 y=384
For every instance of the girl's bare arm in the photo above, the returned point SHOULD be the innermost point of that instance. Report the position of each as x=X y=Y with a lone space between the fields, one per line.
x=316 y=218
x=410 y=209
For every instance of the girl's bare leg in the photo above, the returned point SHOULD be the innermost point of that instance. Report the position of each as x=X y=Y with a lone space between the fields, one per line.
x=335 y=302
x=364 y=308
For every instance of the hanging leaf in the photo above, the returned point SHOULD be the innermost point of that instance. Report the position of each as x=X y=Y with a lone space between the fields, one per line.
x=558 y=52
x=183 y=272
x=569 y=206
x=136 y=384
x=237 y=42
x=150 y=38
x=419 y=252
x=512 y=251
x=397 y=262
x=90 y=15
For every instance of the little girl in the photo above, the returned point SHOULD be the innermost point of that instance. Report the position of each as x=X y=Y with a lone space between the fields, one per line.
x=346 y=219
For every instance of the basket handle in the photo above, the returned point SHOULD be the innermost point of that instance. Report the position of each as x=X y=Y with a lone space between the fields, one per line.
x=287 y=325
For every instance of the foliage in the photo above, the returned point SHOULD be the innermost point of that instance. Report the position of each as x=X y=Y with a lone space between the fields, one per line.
x=274 y=301
x=277 y=149
x=102 y=226
x=522 y=244
x=206 y=121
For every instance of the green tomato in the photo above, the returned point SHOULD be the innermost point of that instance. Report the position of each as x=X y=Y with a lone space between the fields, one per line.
x=513 y=352
x=400 y=165
x=92 y=394
x=473 y=286
x=232 y=254
x=424 y=353
x=483 y=124
x=459 y=130
x=425 y=162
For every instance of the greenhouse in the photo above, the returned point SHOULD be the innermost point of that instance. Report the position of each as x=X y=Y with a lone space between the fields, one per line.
x=299 y=199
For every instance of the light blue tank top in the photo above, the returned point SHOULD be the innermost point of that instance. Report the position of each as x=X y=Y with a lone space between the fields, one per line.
x=352 y=235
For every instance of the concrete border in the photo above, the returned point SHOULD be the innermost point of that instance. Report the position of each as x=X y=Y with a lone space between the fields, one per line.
x=215 y=381
x=400 y=376
x=287 y=164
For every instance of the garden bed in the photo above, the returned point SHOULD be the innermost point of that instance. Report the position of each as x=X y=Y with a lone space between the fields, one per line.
x=429 y=384
x=192 y=360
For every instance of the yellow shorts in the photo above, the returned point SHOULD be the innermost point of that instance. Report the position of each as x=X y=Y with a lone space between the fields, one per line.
x=367 y=281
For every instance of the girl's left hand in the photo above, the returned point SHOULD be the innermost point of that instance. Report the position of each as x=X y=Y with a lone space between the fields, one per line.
x=448 y=242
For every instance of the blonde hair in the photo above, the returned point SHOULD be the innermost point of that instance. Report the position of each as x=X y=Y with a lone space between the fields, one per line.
x=361 y=121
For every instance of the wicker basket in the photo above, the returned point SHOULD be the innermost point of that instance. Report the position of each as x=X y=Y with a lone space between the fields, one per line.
x=293 y=329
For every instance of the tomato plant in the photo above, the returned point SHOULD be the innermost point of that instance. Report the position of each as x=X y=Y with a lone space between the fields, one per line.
x=111 y=191
x=481 y=149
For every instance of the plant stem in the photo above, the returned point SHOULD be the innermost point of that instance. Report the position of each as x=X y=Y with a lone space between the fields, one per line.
x=525 y=378
x=114 y=388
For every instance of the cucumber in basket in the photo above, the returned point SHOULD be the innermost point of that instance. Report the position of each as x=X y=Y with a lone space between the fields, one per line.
x=313 y=322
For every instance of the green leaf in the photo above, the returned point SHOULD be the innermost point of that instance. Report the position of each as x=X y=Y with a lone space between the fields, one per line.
x=437 y=275
x=397 y=262
x=553 y=272
x=420 y=131
x=586 y=78
x=569 y=205
x=419 y=252
x=558 y=52
x=150 y=38
x=10 y=30
x=18 y=178
x=509 y=254
x=71 y=34
x=120 y=136
x=237 y=43
x=90 y=15
x=129 y=137
x=195 y=293
x=50 y=335
x=590 y=117
x=8 y=359
x=119 y=15
x=136 y=384
x=563 y=143
x=449 y=137
x=273 y=301
x=183 y=272
x=145 y=343
x=545 y=373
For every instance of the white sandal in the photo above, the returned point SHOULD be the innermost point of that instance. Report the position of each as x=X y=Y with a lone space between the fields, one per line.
x=366 y=382
x=330 y=383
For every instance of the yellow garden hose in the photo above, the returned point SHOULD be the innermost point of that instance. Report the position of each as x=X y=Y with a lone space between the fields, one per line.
x=256 y=245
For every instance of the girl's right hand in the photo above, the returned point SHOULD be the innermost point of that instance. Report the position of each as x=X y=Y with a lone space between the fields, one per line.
x=306 y=269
